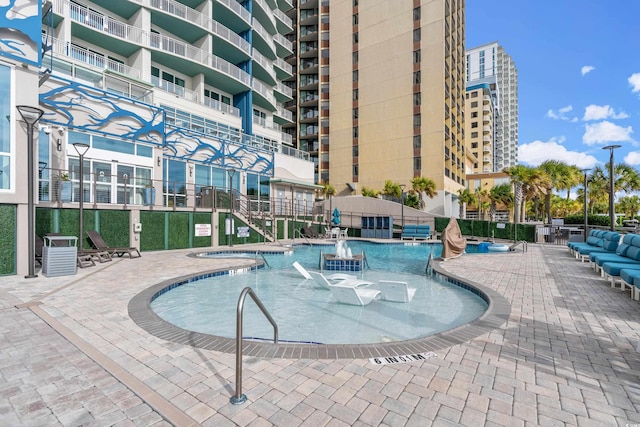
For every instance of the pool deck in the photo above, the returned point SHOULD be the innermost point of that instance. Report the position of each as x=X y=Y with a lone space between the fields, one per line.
x=564 y=355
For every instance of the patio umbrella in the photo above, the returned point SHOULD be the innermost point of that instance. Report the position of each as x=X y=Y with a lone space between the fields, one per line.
x=336 y=216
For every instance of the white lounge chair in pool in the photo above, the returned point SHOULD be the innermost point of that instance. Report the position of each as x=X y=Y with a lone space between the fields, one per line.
x=322 y=281
x=331 y=277
x=354 y=295
x=395 y=291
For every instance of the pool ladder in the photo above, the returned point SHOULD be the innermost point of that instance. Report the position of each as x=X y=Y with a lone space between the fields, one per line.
x=515 y=245
x=240 y=398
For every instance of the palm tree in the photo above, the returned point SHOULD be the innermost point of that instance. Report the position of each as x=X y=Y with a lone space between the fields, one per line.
x=571 y=177
x=554 y=173
x=500 y=195
x=482 y=201
x=629 y=206
x=421 y=185
x=598 y=190
x=392 y=189
x=465 y=198
x=526 y=186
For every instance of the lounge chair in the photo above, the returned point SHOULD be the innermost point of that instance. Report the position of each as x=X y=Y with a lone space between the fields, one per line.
x=330 y=278
x=395 y=291
x=98 y=242
x=39 y=244
x=324 y=282
x=309 y=233
x=354 y=296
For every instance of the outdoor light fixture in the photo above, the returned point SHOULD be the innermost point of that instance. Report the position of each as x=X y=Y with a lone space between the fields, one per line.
x=402 y=208
x=612 y=213
x=31 y=116
x=159 y=160
x=82 y=149
x=584 y=172
x=231 y=173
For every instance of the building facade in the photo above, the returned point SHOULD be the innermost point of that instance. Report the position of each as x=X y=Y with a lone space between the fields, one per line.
x=480 y=130
x=171 y=98
x=381 y=94
x=489 y=64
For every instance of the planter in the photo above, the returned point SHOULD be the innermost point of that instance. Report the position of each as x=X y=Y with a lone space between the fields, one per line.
x=149 y=196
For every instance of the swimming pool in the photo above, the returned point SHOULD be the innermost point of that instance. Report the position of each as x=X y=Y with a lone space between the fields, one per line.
x=306 y=314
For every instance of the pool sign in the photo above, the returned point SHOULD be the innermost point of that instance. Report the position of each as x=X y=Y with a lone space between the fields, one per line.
x=243 y=231
x=202 y=230
x=390 y=360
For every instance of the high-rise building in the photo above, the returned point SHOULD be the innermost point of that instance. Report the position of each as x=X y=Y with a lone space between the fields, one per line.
x=380 y=94
x=490 y=67
x=172 y=98
x=480 y=111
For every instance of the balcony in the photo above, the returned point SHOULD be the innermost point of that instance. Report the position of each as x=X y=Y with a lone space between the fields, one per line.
x=283 y=22
x=263 y=40
x=233 y=14
x=264 y=68
x=265 y=97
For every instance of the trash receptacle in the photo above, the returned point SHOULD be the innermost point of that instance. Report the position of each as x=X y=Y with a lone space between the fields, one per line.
x=59 y=256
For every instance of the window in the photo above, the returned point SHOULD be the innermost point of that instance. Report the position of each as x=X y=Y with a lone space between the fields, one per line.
x=474 y=104
x=416 y=56
x=417 y=142
x=417 y=120
x=417 y=163
x=355 y=38
x=416 y=14
x=416 y=99
x=416 y=35
x=354 y=150
x=354 y=57
x=355 y=19
x=355 y=94
x=474 y=95
x=355 y=113
x=416 y=77
x=474 y=114
x=355 y=170
x=355 y=75
x=6 y=153
x=474 y=134
x=355 y=131
x=474 y=124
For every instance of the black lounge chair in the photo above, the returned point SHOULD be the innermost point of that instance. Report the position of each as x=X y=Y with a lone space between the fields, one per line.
x=309 y=233
x=98 y=242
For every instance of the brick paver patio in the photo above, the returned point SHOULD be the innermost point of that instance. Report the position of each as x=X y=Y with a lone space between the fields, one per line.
x=566 y=355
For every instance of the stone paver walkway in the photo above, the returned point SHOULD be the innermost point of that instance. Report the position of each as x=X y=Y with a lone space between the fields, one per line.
x=70 y=355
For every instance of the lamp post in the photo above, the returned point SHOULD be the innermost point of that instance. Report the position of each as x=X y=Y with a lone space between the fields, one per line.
x=612 y=213
x=231 y=173
x=81 y=149
x=402 y=207
x=584 y=195
x=31 y=116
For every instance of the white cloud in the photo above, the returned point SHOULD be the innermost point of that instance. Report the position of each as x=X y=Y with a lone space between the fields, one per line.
x=537 y=152
x=586 y=69
x=634 y=81
x=561 y=114
x=632 y=158
x=604 y=132
x=600 y=112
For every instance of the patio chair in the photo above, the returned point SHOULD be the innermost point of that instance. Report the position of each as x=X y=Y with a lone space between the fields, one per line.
x=395 y=291
x=309 y=233
x=98 y=242
x=354 y=296
x=344 y=233
x=330 y=278
x=322 y=281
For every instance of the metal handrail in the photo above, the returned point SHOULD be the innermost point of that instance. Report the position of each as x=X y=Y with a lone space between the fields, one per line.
x=521 y=242
x=263 y=259
x=240 y=398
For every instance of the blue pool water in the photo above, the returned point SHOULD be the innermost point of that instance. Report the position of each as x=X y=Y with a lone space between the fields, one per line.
x=305 y=313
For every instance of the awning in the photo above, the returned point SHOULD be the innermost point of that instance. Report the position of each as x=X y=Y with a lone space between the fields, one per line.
x=295 y=183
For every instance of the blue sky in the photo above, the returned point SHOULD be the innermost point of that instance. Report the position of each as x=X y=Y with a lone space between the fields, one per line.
x=578 y=75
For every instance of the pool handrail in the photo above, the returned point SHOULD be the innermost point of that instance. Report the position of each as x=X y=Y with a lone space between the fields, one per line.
x=240 y=398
